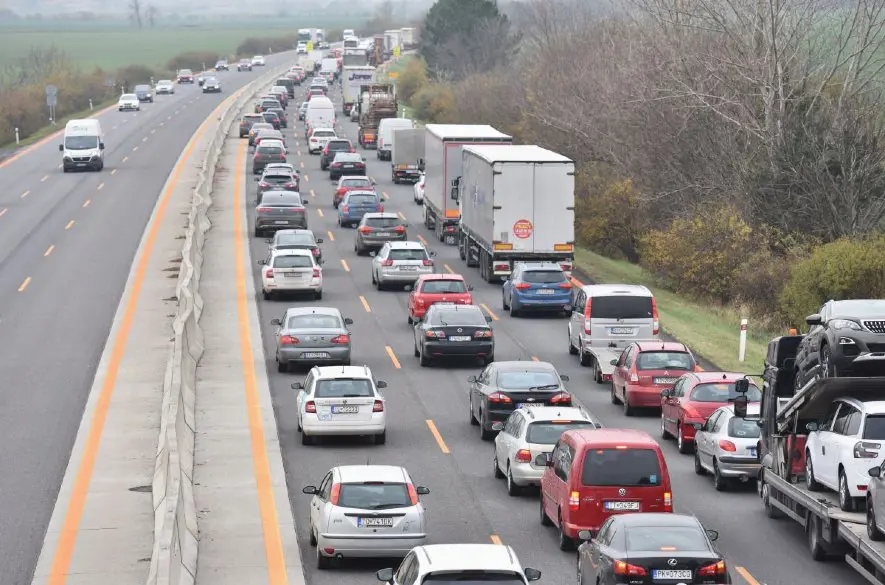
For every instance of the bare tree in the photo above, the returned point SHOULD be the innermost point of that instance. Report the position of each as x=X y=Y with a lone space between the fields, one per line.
x=151 y=14
x=135 y=13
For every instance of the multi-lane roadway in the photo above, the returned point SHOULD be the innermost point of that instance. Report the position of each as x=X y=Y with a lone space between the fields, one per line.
x=67 y=241
x=429 y=431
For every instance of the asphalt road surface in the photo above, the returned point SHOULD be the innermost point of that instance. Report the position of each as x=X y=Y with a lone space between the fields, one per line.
x=67 y=241
x=467 y=503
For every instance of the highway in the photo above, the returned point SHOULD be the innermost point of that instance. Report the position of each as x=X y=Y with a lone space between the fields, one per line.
x=67 y=241
x=429 y=432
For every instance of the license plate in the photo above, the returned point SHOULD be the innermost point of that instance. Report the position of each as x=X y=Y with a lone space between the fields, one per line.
x=671 y=574
x=546 y=291
x=375 y=522
x=294 y=275
x=622 y=330
x=459 y=338
x=622 y=506
x=348 y=166
x=664 y=380
x=316 y=355
x=527 y=405
x=384 y=234
x=281 y=222
x=408 y=268
x=751 y=451
x=345 y=409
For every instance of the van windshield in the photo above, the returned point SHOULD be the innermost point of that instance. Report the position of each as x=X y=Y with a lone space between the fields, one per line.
x=621 y=307
x=621 y=467
x=81 y=142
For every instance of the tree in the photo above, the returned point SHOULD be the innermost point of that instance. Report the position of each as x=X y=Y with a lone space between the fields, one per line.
x=463 y=37
x=135 y=13
x=151 y=14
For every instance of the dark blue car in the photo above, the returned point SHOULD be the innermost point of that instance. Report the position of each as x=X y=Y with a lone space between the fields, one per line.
x=537 y=287
x=356 y=204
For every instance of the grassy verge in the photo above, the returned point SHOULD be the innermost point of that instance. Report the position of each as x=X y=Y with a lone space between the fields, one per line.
x=59 y=125
x=711 y=332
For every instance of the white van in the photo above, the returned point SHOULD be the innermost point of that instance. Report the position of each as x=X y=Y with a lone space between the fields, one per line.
x=83 y=146
x=320 y=113
x=385 y=134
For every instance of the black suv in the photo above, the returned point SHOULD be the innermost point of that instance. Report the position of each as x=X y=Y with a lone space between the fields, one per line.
x=846 y=338
x=333 y=147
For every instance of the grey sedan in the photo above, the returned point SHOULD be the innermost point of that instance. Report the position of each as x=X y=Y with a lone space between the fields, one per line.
x=376 y=229
x=312 y=335
x=280 y=210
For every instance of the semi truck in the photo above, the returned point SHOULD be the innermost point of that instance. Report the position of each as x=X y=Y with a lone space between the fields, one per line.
x=517 y=205
x=376 y=55
x=442 y=162
x=407 y=37
x=304 y=35
x=353 y=78
x=355 y=58
x=408 y=150
x=786 y=416
x=392 y=39
x=377 y=101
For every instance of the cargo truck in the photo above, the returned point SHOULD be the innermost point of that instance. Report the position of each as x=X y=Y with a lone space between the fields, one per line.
x=354 y=77
x=517 y=205
x=442 y=162
x=377 y=101
x=355 y=58
x=408 y=151
x=407 y=36
x=786 y=417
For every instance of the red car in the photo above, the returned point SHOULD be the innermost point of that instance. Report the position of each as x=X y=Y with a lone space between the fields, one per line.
x=695 y=396
x=437 y=288
x=646 y=368
x=346 y=184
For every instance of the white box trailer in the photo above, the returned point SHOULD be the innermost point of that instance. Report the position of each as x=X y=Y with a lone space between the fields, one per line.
x=407 y=150
x=407 y=36
x=442 y=164
x=517 y=205
x=353 y=78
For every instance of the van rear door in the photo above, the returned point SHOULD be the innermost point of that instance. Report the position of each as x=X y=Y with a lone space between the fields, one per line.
x=621 y=319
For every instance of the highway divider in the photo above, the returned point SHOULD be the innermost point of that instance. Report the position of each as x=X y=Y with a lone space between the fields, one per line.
x=174 y=559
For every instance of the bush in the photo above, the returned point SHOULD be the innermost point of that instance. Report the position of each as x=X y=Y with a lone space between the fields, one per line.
x=262 y=45
x=608 y=213
x=844 y=269
x=136 y=74
x=193 y=60
x=411 y=80
x=434 y=103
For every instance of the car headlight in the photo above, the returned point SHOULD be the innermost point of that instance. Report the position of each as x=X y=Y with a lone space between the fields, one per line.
x=845 y=324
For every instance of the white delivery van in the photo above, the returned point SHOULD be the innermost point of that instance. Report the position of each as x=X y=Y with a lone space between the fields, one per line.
x=385 y=134
x=83 y=146
x=320 y=113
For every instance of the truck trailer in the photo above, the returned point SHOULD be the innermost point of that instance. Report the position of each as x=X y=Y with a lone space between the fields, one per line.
x=355 y=58
x=353 y=78
x=517 y=205
x=377 y=101
x=442 y=162
x=408 y=151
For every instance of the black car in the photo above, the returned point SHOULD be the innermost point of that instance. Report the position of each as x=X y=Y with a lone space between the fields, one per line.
x=347 y=163
x=143 y=93
x=332 y=148
x=651 y=548
x=211 y=84
x=276 y=180
x=284 y=119
x=272 y=118
x=454 y=331
x=297 y=240
x=288 y=83
x=376 y=229
x=505 y=386
x=846 y=338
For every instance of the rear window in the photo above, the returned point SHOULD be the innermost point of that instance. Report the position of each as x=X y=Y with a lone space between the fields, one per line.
x=343 y=388
x=295 y=240
x=469 y=318
x=621 y=467
x=383 y=222
x=473 y=578
x=525 y=380
x=407 y=254
x=548 y=432
x=313 y=322
x=722 y=392
x=356 y=183
x=362 y=200
x=292 y=262
x=441 y=287
x=666 y=539
x=621 y=307
x=545 y=277
x=374 y=496
x=664 y=360
x=874 y=427
x=741 y=428
x=338 y=145
x=270 y=150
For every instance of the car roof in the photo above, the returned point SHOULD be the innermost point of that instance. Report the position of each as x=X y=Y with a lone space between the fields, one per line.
x=455 y=307
x=256 y=116
x=407 y=245
x=425 y=277
x=868 y=406
x=294 y=232
x=357 y=177
x=348 y=155
x=661 y=346
x=361 y=473
x=127 y=96
x=636 y=290
x=331 y=372
x=468 y=557
x=381 y=215
x=524 y=365
x=292 y=252
x=340 y=139
x=295 y=311
x=614 y=437
x=658 y=519
x=548 y=413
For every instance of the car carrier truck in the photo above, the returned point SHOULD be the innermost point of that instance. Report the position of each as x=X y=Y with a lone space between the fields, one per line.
x=786 y=417
x=442 y=162
x=353 y=78
x=408 y=151
x=517 y=204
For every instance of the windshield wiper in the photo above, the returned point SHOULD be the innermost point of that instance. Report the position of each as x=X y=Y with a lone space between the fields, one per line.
x=545 y=387
x=385 y=506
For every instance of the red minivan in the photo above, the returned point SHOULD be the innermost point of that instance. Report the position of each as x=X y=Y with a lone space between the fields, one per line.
x=595 y=473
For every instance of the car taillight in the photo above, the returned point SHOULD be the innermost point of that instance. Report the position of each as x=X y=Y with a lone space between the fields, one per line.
x=380 y=207
x=656 y=327
x=574 y=501
x=344 y=208
x=289 y=340
x=336 y=494
x=427 y=262
x=268 y=273
x=561 y=398
x=378 y=406
x=483 y=333
x=435 y=334
x=717 y=569
x=400 y=229
x=315 y=251
x=264 y=184
x=336 y=164
x=291 y=185
x=264 y=209
x=341 y=340
x=283 y=156
x=413 y=494
x=622 y=568
x=727 y=446
x=387 y=262
x=587 y=317
x=522 y=286
x=523 y=456
x=565 y=285
x=316 y=272
x=499 y=397
x=366 y=230
x=634 y=377
x=866 y=450
x=668 y=502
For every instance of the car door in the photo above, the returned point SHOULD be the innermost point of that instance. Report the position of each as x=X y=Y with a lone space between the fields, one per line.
x=619 y=376
x=670 y=406
x=478 y=390
x=553 y=487
x=505 y=440
x=407 y=573
x=380 y=257
x=576 y=322
x=808 y=354
x=589 y=555
x=704 y=438
x=306 y=389
x=841 y=442
x=318 y=504
x=818 y=444
x=508 y=285
x=627 y=368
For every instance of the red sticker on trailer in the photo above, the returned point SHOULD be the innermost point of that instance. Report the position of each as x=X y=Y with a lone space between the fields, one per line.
x=523 y=229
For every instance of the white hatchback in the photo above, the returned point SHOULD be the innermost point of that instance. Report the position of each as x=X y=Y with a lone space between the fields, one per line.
x=291 y=270
x=365 y=511
x=400 y=263
x=341 y=401
x=128 y=101
x=319 y=139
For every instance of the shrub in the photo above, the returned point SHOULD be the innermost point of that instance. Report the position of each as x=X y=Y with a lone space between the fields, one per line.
x=435 y=103
x=608 y=213
x=843 y=269
x=411 y=80
x=194 y=60
x=135 y=74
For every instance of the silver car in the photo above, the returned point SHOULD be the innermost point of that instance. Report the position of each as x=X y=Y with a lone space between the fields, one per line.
x=400 y=263
x=165 y=86
x=280 y=210
x=312 y=335
x=365 y=511
x=726 y=446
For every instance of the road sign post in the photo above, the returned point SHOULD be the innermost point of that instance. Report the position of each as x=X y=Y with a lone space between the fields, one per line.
x=51 y=101
x=742 y=347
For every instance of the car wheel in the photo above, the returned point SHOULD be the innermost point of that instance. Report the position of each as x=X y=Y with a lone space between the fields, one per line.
x=257 y=233
x=565 y=543
x=513 y=490
x=318 y=295
x=473 y=421
x=323 y=562
x=417 y=353
x=628 y=410
x=282 y=367
x=409 y=320
x=684 y=446
x=381 y=439
x=306 y=439
x=423 y=359
x=846 y=502
x=313 y=537
x=872 y=529
x=810 y=482
x=828 y=369
x=571 y=348
x=665 y=434
x=266 y=295
x=545 y=519
x=586 y=358
x=719 y=482
x=698 y=468
x=485 y=434
x=495 y=467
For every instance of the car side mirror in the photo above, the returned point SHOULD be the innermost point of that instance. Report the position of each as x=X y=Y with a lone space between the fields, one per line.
x=262 y=262
x=422 y=491
x=814 y=319
x=713 y=535
x=614 y=362
x=319 y=240
x=310 y=490
x=542 y=459
x=740 y=406
x=531 y=574
x=381 y=384
x=61 y=147
x=372 y=180
x=488 y=319
x=297 y=386
x=470 y=287
x=666 y=393
x=101 y=145
x=432 y=254
x=305 y=202
x=276 y=322
x=385 y=575
x=348 y=321
x=564 y=378
x=472 y=379
x=875 y=471
x=812 y=426
x=585 y=535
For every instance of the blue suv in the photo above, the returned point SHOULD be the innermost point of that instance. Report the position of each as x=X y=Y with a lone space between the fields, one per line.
x=355 y=205
x=537 y=286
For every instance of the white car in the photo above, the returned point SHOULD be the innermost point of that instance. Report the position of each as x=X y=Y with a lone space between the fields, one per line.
x=419 y=190
x=291 y=271
x=319 y=139
x=528 y=433
x=365 y=511
x=726 y=446
x=400 y=263
x=456 y=563
x=128 y=101
x=165 y=86
x=341 y=401
x=301 y=48
x=258 y=61
x=842 y=448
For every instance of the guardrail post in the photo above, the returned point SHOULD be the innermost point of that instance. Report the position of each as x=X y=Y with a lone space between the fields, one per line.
x=17 y=138
x=742 y=351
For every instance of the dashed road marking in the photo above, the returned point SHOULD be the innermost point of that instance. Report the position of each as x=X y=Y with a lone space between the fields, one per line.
x=3 y=211
x=100 y=187
x=392 y=357
x=495 y=539
x=25 y=194
x=331 y=236
x=113 y=172
x=448 y=269
x=125 y=158
x=49 y=250
x=134 y=148
x=87 y=202
x=44 y=178
x=365 y=304
x=320 y=211
x=70 y=224
x=439 y=440
x=402 y=216
x=312 y=194
x=422 y=240
x=344 y=264
x=24 y=284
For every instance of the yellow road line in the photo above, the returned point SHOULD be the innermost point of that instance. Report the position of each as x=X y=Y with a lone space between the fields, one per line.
x=306 y=178
x=439 y=440
x=320 y=211
x=365 y=304
x=422 y=240
x=3 y=211
x=24 y=284
x=402 y=216
x=87 y=202
x=49 y=250
x=344 y=264
x=70 y=224
x=495 y=539
x=331 y=236
x=489 y=311
x=392 y=357
x=448 y=269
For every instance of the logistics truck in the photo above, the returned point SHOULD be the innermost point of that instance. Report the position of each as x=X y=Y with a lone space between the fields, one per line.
x=354 y=77
x=355 y=58
x=408 y=150
x=517 y=205
x=442 y=162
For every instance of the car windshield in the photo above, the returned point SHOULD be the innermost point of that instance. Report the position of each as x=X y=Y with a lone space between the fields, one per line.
x=454 y=318
x=664 y=360
x=362 y=199
x=259 y=126
x=545 y=277
x=383 y=222
x=211 y=80
x=81 y=142
x=128 y=96
x=441 y=287
x=252 y=118
x=525 y=380
x=741 y=428
x=722 y=392
x=874 y=427
x=374 y=496
x=270 y=150
x=621 y=467
x=364 y=183
x=473 y=578
x=313 y=321
x=407 y=254
x=293 y=262
x=344 y=388
x=621 y=307
x=666 y=539
x=548 y=432
x=295 y=240
x=142 y=88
